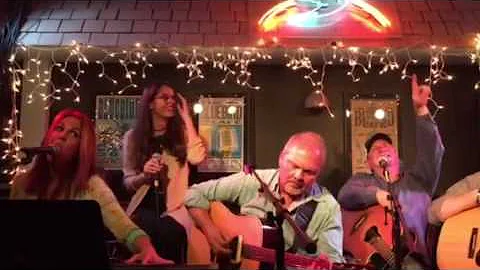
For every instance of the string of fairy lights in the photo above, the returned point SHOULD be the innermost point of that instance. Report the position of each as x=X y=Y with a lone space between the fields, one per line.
x=475 y=58
x=300 y=60
x=235 y=63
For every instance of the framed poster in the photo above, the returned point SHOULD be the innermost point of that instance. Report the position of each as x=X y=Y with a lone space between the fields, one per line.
x=221 y=125
x=114 y=116
x=370 y=116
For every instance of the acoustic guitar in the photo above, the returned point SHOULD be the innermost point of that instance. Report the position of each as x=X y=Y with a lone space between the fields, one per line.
x=249 y=250
x=459 y=244
x=367 y=237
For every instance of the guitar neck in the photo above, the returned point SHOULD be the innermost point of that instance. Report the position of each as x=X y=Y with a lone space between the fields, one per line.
x=383 y=249
x=293 y=260
x=251 y=228
x=268 y=255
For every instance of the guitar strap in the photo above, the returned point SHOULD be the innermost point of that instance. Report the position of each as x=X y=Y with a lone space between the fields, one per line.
x=303 y=216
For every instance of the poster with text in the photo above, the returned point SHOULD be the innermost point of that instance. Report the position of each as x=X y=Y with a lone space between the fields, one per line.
x=370 y=116
x=221 y=125
x=114 y=116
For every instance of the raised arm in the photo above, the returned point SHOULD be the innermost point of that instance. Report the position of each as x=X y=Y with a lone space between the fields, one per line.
x=196 y=151
x=429 y=155
x=430 y=148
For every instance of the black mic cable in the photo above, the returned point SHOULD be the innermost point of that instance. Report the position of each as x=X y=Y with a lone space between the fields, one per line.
x=156 y=185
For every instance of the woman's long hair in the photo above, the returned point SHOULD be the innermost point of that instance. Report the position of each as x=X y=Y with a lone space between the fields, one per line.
x=40 y=176
x=142 y=135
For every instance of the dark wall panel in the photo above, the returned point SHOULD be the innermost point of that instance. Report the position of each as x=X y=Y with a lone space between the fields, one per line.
x=276 y=112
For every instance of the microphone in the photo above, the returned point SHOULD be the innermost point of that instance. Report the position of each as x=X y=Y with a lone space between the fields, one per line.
x=159 y=178
x=156 y=180
x=384 y=161
x=40 y=150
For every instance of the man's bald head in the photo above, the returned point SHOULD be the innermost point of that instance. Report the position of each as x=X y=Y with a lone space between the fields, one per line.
x=307 y=146
x=300 y=163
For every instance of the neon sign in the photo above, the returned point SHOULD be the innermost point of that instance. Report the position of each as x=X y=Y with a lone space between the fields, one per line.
x=321 y=13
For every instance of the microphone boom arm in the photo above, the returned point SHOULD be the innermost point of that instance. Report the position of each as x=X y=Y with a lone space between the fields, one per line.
x=310 y=245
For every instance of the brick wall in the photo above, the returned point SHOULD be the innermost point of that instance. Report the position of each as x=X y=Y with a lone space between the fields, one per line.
x=226 y=23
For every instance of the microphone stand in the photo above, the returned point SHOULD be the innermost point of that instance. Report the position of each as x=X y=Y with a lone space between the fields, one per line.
x=160 y=187
x=157 y=178
x=396 y=229
x=281 y=215
x=156 y=190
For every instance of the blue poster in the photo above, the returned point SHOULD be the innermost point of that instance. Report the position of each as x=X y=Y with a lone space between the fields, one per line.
x=114 y=116
x=221 y=125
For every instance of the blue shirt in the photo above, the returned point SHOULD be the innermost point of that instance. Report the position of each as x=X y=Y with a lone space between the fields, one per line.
x=414 y=189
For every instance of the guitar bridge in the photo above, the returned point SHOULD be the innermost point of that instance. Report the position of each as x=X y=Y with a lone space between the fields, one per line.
x=473 y=243
x=236 y=247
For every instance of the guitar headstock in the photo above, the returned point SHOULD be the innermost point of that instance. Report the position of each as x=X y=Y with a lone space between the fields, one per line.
x=248 y=168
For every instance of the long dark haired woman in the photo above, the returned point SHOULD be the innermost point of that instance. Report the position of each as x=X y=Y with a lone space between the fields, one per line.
x=155 y=156
x=69 y=174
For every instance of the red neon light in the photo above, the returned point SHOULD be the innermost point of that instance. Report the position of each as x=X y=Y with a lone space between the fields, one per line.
x=282 y=13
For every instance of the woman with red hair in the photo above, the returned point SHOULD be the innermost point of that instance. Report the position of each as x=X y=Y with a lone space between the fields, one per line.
x=69 y=174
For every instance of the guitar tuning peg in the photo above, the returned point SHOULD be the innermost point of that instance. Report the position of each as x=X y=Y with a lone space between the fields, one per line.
x=248 y=168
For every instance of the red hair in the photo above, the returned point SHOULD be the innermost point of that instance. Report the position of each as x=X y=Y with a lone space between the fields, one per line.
x=39 y=177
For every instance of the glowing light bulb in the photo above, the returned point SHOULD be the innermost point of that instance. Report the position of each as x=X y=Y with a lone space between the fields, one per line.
x=198 y=108
x=379 y=114
x=232 y=109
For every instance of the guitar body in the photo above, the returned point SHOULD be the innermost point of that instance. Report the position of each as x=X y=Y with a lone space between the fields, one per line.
x=367 y=236
x=246 y=234
x=253 y=233
x=408 y=263
x=355 y=227
x=231 y=225
x=198 y=248
x=459 y=241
